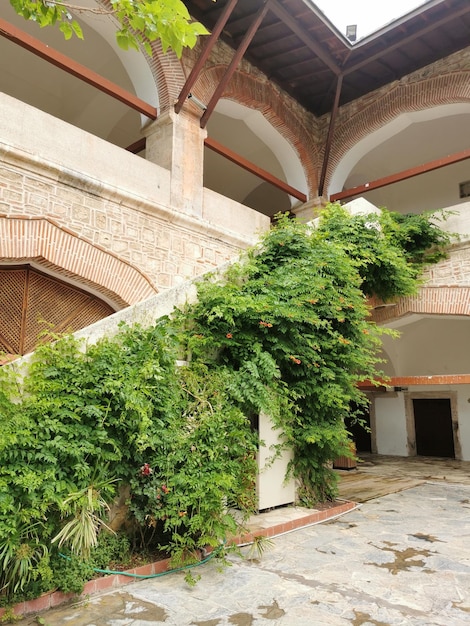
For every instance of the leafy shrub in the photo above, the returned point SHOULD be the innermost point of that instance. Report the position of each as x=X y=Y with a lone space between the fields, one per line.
x=286 y=331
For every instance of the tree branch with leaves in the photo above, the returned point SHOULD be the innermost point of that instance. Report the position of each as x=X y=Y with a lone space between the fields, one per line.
x=139 y=22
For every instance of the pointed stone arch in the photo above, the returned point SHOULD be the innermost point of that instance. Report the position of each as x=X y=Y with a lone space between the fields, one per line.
x=274 y=105
x=414 y=94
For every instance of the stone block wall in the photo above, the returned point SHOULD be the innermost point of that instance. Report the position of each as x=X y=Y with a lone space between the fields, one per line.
x=113 y=200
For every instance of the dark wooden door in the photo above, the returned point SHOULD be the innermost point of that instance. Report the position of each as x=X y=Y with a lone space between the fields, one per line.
x=433 y=426
x=361 y=434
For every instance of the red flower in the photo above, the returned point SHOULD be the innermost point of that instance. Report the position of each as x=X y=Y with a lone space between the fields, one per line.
x=146 y=470
x=229 y=335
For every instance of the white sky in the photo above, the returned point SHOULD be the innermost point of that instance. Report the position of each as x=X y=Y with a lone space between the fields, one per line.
x=368 y=15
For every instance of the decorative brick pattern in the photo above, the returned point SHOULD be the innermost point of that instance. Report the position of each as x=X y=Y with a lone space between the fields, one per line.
x=250 y=87
x=58 y=249
x=446 y=290
x=166 y=69
x=286 y=116
x=430 y=301
x=110 y=239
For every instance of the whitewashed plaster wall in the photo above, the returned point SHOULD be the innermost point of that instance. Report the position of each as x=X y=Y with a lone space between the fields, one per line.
x=463 y=408
x=390 y=425
x=430 y=345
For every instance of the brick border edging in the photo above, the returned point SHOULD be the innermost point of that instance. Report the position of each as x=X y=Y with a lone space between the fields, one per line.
x=301 y=522
x=56 y=598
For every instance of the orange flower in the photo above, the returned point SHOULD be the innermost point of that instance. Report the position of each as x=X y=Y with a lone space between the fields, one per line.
x=229 y=335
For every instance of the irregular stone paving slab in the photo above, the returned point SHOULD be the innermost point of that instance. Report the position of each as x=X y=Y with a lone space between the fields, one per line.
x=399 y=560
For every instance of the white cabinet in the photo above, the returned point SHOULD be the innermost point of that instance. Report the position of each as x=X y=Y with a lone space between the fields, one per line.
x=271 y=487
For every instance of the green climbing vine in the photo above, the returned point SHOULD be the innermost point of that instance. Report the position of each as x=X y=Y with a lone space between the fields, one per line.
x=116 y=437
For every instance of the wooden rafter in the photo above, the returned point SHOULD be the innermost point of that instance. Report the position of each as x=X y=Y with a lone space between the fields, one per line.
x=331 y=130
x=399 y=176
x=250 y=33
x=401 y=43
x=319 y=50
x=254 y=169
x=213 y=38
x=78 y=70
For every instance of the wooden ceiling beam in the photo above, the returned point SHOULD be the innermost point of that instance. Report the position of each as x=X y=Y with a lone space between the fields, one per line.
x=303 y=35
x=400 y=176
x=67 y=64
x=399 y=44
x=250 y=33
x=253 y=169
x=414 y=381
x=210 y=43
x=331 y=131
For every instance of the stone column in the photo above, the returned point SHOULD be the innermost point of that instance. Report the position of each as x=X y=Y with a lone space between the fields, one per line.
x=309 y=210
x=176 y=142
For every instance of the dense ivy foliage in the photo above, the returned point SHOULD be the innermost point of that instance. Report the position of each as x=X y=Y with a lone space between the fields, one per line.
x=121 y=410
x=290 y=325
x=117 y=436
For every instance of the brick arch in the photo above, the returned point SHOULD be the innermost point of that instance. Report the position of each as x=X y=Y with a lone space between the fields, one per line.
x=428 y=301
x=401 y=97
x=58 y=251
x=168 y=73
x=277 y=110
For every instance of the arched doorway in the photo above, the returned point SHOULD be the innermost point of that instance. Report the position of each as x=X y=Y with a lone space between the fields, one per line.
x=52 y=279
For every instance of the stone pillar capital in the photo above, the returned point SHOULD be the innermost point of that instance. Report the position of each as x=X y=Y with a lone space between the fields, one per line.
x=309 y=210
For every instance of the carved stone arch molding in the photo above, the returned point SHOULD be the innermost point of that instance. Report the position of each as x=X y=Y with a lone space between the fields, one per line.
x=49 y=276
x=281 y=112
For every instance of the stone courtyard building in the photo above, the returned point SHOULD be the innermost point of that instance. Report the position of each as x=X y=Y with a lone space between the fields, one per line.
x=123 y=174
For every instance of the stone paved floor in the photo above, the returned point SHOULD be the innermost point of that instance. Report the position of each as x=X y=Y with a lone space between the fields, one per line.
x=377 y=476
x=401 y=559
